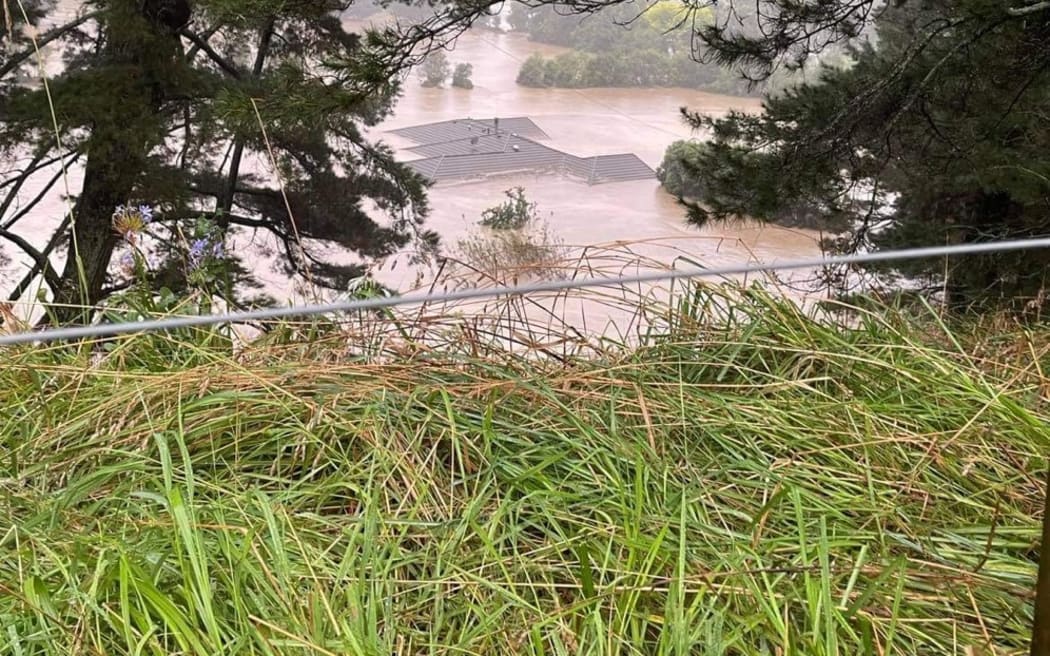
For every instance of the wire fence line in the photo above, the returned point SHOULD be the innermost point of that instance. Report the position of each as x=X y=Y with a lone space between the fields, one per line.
x=263 y=314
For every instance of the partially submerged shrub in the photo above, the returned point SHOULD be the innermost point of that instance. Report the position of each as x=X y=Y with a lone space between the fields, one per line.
x=532 y=251
x=512 y=239
x=512 y=214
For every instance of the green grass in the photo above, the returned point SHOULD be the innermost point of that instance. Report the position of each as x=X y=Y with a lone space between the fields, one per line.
x=750 y=480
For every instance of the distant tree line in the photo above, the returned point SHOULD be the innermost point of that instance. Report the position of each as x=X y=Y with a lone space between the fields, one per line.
x=620 y=48
x=370 y=9
x=647 y=68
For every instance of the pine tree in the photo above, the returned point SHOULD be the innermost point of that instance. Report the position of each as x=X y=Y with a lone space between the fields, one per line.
x=163 y=101
x=934 y=133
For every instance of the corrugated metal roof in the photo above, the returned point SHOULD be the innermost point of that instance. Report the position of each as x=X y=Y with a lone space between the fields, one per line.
x=464 y=128
x=468 y=148
x=617 y=168
x=480 y=144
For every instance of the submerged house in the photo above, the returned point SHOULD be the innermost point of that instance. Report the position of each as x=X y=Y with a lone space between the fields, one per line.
x=471 y=148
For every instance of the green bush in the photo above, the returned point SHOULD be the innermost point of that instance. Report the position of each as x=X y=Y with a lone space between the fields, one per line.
x=677 y=172
x=532 y=72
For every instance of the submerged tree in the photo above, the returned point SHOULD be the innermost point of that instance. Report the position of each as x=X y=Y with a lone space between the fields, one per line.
x=461 y=76
x=435 y=70
x=245 y=112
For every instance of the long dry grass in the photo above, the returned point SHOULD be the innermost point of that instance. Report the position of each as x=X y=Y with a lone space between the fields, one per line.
x=749 y=480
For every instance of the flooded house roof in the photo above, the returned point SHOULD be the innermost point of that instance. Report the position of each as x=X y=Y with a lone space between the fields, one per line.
x=468 y=148
x=465 y=128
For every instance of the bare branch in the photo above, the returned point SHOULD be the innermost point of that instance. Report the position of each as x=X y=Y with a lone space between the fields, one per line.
x=18 y=58
x=52 y=244
x=225 y=202
x=204 y=37
x=229 y=67
x=1029 y=9
x=20 y=180
x=24 y=210
x=42 y=263
x=33 y=167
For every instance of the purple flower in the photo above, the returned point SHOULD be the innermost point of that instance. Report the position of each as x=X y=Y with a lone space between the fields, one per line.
x=127 y=262
x=203 y=249
x=197 y=249
x=146 y=212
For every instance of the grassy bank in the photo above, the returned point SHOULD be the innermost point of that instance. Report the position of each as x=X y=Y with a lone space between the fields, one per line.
x=756 y=483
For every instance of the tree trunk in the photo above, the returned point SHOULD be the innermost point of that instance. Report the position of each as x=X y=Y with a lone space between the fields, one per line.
x=107 y=183
x=1040 y=645
x=137 y=61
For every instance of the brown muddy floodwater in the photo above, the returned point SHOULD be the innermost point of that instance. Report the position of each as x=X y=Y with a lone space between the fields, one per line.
x=620 y=228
